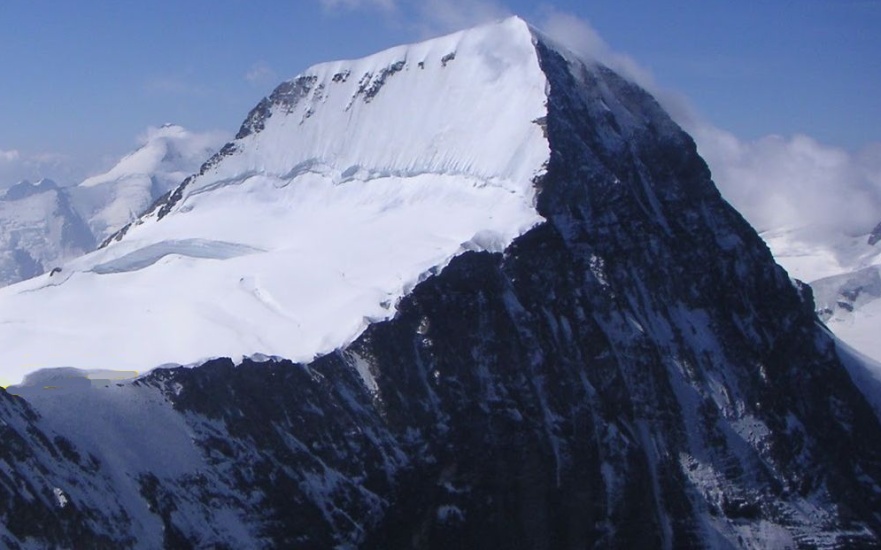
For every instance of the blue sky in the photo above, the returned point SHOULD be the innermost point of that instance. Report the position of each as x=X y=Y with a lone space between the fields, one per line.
x=82 y=79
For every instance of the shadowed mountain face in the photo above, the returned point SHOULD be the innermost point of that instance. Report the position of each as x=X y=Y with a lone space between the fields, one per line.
x=635 y=371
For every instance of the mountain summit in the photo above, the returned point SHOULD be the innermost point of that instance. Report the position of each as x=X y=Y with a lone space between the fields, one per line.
x=344 y=188
x=537 y=325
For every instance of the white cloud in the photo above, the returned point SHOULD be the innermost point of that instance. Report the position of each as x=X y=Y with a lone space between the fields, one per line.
x=185 y=140
x=9 y=156
x=261 y=73
x=386 y=5
x=791 y=182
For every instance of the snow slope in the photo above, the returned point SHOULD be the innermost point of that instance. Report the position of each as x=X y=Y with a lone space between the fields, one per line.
x=343 y=189
x=850 y=305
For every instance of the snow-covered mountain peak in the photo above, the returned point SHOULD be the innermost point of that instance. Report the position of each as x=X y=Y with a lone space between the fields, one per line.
x=25 y=188
x=346 y=186
x=463 y=104
x=629 y=352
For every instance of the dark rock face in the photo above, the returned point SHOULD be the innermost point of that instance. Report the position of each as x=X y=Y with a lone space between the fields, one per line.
x=285 y=96
x=635 y=372
x=75 y=232
x=32 y=504
x=875 y=236
x=371 y=84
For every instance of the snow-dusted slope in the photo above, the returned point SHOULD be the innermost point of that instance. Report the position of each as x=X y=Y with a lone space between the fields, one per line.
x=850 y=305
x=315 y=221
x=166 y=156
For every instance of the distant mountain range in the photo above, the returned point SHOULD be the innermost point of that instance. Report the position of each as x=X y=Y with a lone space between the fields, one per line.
x=43 y=225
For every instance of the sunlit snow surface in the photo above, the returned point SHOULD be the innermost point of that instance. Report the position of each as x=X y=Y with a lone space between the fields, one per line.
x=832 y=262
x=166 y=156
x=317 y=225
x=812 y=253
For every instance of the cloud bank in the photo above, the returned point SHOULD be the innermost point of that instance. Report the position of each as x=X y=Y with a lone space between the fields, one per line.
x=796 y=182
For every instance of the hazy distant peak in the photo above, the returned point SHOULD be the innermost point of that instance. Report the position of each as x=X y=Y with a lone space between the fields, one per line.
x=169 y=148
x=25 y=188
